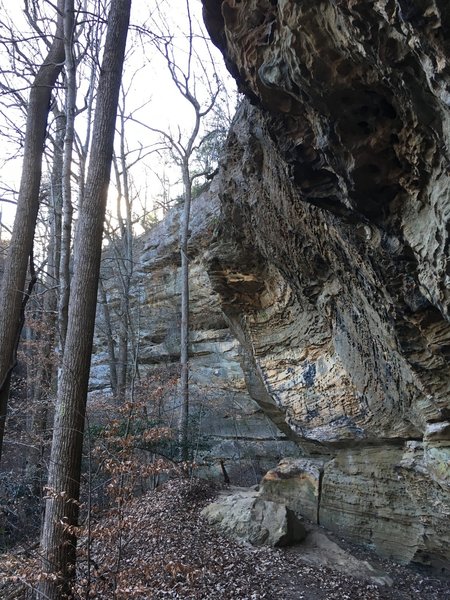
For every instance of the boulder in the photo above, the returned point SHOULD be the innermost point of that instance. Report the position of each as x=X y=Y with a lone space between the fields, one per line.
x=245 y=515
x=296 y=483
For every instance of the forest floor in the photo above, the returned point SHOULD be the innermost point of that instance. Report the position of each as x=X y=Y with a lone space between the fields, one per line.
x=159 y=546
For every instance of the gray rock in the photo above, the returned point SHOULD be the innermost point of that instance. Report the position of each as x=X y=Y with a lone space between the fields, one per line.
x=245 y=515
x=296 y=483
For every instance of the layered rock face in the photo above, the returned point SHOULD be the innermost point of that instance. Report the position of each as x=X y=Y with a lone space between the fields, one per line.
x=331 y=257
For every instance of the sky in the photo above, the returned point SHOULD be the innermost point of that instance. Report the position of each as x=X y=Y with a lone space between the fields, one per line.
x=152 y=98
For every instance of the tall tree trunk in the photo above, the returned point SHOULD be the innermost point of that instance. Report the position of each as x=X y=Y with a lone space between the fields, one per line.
x=184 y=333
x=46 y=369
x=185 y=81
x=58 y=543
x=21 y=243
x=127 y=254
x=109 y=340
x=123 y=250
x=66 y=237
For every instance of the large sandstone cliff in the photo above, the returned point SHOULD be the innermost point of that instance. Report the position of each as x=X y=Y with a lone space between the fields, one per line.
x=331 y=254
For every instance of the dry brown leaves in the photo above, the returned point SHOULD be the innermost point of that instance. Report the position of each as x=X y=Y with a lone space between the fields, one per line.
x=169 y=551
x=164 y=549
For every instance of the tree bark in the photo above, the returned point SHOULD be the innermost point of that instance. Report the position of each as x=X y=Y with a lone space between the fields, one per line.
x=184 y=332
x=15 y=269
x=109 y=340
x=127 y=267
x=58 y=542
x=45 y=376
x=66 y=236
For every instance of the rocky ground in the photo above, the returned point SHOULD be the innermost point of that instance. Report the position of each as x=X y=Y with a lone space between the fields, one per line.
x=167 y=550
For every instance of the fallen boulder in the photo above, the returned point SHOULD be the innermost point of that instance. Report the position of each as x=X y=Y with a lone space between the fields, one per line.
x=245 y=515
x=296 y=483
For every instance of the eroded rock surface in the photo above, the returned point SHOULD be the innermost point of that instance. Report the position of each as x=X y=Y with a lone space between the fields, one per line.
x=331 y=259
x=390 y=498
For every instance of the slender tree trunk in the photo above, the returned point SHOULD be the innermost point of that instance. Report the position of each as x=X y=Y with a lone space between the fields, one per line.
x=58 y=543
x=123 y=249
x=84 y=150
x=109 y=340
x=122 y=354
x=66 y=239
x=184 y=333
x=20 y=247
x=46 y=370
x=127 y=253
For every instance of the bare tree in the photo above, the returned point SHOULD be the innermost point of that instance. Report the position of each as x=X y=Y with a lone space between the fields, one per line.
x=59 y=536
x=42 y=374
x=124 y=254
x=77 y=51
x=66 y=230
x=12 y=291
x=50 y=236
x=118 y=261
x=184 y=151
